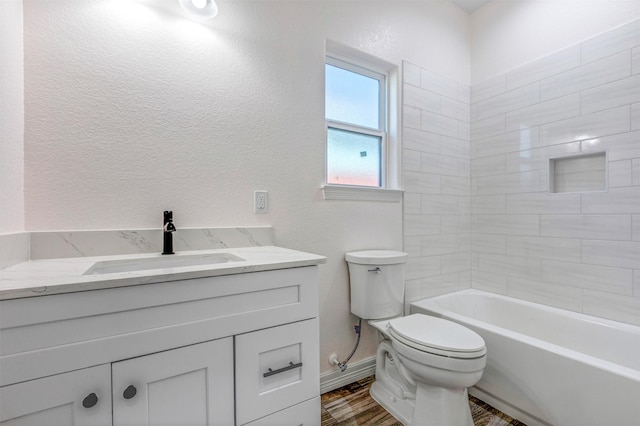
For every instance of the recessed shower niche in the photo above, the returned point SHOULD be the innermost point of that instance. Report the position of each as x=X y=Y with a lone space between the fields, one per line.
x=578 y=173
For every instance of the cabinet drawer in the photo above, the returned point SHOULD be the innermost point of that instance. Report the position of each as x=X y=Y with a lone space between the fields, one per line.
x=304 y=414
x=276 y=368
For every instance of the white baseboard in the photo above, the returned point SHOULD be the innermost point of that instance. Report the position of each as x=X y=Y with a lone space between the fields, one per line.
x=355 y=371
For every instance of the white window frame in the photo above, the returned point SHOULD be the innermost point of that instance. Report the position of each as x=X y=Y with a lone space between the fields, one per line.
x=354 y=128
x=361 y=63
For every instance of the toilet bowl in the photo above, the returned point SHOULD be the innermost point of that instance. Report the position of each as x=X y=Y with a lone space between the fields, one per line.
x=424 y=367
x=424 y=364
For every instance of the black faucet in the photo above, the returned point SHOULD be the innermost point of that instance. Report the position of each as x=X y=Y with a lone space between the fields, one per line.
x=167 y=231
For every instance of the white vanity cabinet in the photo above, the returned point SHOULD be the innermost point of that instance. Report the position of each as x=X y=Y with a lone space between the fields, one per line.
x=183 y=352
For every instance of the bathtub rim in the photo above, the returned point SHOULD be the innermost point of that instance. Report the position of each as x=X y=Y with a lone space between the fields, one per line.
x=609 y=366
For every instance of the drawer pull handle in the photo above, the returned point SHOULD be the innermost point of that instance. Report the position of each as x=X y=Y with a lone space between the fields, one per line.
x=90 y=400
x=291 y=366
x=129 y=392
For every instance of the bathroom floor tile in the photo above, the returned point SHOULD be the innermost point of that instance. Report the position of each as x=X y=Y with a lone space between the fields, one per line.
x=351 y=405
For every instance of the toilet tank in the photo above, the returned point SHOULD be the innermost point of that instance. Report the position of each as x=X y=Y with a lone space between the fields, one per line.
x=376 y=280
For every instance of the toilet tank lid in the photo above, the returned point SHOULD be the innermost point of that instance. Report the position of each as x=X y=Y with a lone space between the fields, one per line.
x=376 y=257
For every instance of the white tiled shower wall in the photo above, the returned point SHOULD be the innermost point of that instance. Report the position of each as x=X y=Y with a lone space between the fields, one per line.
x=578 y=251
x=437 y=204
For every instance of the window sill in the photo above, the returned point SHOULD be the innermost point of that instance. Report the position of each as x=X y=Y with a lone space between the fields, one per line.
x=361 y=193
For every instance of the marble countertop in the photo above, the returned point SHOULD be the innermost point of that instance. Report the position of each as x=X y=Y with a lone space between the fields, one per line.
x=56 y=276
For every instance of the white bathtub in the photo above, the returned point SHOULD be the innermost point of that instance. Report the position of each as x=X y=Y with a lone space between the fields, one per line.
x=548 y=365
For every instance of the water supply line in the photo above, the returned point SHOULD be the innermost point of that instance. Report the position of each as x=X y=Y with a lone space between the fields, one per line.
x=334 y=358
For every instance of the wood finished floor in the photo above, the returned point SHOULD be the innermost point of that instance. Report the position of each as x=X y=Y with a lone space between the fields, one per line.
x=352 y=405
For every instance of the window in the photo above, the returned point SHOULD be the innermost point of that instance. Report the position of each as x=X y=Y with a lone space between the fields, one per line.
x=363 y=158
x=355 y=113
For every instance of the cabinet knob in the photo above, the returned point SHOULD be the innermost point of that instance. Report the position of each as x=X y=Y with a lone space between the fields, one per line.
x=129 y=392
x=90 y=400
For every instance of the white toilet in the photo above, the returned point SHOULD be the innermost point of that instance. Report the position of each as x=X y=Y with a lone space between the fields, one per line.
x=424 y=364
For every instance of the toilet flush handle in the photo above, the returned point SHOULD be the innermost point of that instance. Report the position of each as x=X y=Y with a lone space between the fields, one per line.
x=377 y=270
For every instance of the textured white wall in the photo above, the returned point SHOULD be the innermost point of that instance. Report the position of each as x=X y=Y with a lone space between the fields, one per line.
x=132 y=109
x=11 y=118
x=506 y=34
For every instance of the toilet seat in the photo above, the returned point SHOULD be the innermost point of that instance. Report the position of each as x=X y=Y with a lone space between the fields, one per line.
x=437 y=343
x=436 y=336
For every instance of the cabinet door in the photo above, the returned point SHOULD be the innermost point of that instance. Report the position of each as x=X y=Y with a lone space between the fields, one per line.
x=81 y=398
x=192 y=385
x=276 y=368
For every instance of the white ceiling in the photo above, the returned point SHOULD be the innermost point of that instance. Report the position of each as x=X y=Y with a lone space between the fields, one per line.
x=470 y=5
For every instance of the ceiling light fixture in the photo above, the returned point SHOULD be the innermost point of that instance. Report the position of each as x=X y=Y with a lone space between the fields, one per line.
x=202 y=9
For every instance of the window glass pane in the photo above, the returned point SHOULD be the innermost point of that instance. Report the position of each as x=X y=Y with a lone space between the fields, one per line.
x=353 y=158
x=351 y=98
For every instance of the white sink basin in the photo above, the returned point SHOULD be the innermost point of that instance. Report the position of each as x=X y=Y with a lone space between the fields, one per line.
x=160 y=262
